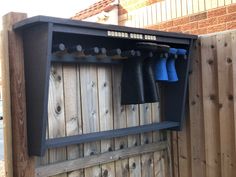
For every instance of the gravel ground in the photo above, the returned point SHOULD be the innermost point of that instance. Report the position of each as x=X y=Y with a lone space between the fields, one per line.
x=2 y=169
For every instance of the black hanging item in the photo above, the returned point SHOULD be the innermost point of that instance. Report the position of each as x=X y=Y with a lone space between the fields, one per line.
x=132 y=87
x=151 y=93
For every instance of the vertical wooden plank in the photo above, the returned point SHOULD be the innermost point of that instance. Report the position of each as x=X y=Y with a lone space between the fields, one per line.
x=225 y=88
x=159 y=13
x=158 y=156
x=132 y=112
x=196 y=116
x=165 y=158
x=168 y=10
x=179 y=8
x=163 y=11
x=56 y=117
x=168 y=156
x=146 y=138
x=14 y=105
x=184 y=149
x=195 y=6
x=233 y=45
x=210 y=105
x=72 y=112
x=90 y=114
x=201 y=5
x=106 y=114
x=184 y=7
x=173 y=9
x=121 y=166
x=7 y=124
x=175 y=155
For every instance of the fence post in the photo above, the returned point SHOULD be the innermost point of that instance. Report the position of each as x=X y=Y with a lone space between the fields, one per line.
x=18 y=163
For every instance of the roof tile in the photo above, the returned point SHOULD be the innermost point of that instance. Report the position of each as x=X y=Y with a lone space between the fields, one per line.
x=94 y=9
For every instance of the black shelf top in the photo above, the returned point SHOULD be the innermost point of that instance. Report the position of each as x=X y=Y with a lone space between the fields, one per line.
x=29 y=22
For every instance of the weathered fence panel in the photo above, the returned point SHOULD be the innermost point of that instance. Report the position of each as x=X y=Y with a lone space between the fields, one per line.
x=86 y=98
x=206 y=147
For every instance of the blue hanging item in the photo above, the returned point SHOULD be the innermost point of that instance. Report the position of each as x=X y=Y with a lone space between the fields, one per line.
x=160 y=68
x=170 y=65
x=181 y=52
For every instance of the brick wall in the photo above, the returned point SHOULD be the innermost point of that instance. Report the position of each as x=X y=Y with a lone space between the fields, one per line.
x=215 y=20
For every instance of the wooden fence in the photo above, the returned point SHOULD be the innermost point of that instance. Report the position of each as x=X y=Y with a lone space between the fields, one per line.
x=206 y=146
x=89 y=101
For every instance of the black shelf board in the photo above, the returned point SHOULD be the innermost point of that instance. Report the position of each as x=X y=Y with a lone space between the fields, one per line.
x=68 y=58
x=84 y=138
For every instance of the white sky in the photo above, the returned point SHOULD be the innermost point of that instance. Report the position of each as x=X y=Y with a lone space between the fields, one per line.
x=55 y=8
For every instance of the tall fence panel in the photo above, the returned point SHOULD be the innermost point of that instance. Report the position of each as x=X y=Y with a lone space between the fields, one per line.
x=206 y=146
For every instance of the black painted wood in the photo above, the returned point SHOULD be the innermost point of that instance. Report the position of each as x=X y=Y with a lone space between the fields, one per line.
x=37 y=49
x=84 y=138
x=27 y=23
x=173 y=38
x=70 y=58
x=174 y=94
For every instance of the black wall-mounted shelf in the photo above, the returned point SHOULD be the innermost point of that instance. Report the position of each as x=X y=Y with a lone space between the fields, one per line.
x=41 y=32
